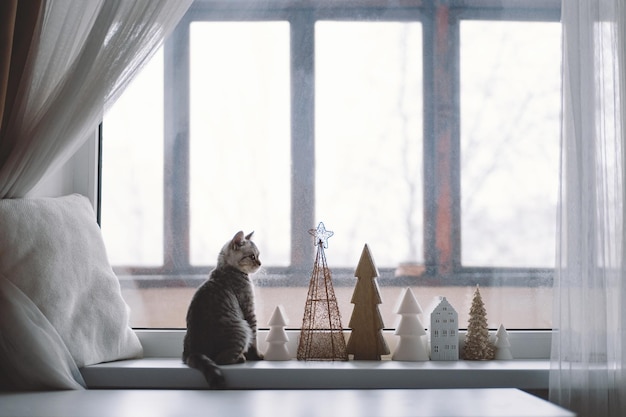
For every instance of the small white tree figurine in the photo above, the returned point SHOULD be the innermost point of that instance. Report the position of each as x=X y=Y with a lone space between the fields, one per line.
x=503 y=346
x=277 y=338
x=411 y=346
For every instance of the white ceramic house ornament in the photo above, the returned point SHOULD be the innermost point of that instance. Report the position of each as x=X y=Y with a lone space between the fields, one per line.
x=444 y=332
x=277 y=337
x=503 y=346
x=412 y=345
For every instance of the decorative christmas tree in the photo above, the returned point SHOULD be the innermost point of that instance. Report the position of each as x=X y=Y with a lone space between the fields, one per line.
x=321 y=336
x=277 y=338
x=366 y=339
x=503 y=346
x=477 y=344
x=412 y=344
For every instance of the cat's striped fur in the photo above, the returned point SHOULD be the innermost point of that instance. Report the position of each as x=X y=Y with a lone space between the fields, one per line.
x=221 y=322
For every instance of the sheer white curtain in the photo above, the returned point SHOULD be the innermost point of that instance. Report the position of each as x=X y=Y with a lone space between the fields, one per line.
x=78 y=63
x=86 y=54
x=589 y=341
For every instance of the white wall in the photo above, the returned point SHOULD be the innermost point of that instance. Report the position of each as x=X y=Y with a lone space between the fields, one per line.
x=78 y=175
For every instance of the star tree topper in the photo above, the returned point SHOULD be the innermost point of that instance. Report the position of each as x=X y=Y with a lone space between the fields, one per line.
x=321 y=235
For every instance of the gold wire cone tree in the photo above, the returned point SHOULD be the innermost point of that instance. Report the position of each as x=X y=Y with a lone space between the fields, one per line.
x=321 y=336
x=366 y=339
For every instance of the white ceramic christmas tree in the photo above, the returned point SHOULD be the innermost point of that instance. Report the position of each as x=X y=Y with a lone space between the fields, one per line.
x=503 y=346
x=277 y=337
x=412 y=343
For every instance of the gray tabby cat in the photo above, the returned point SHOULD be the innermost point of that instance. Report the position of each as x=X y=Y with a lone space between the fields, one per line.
x=221 y=323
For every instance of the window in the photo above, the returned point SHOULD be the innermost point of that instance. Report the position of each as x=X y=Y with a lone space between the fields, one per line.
x=239 y=157
x=428 y=131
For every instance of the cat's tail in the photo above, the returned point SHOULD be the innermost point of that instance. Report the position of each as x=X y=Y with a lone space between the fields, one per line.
x=211 y=371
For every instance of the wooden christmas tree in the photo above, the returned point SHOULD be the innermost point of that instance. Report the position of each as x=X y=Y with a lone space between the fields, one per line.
x=477 y=345
x=277 y=338
x=321 y=336
x=503 y=346
x=412 y=344
x=366 y=339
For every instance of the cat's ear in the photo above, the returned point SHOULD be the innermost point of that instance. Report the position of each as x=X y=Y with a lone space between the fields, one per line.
x=249 y=236
x=237 y=241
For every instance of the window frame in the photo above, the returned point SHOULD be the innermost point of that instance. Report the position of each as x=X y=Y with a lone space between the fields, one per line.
x=440 y=21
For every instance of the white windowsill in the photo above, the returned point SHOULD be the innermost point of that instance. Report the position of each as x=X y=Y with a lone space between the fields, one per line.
x=162 y=368
x=171 y=373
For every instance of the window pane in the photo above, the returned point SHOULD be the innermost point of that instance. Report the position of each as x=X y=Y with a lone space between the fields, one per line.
x=368 y=139
x=132 y=176
x=510 y=110
x=239 y=137
x=368 y=164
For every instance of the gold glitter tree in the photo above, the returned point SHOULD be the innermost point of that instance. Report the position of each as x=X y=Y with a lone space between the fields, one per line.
x=477 y=345
x=321 y=336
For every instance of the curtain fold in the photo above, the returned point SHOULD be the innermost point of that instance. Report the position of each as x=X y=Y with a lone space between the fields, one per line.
x=62 y=62
x=20 y=23
x=22 y=323
x=589 y=338
x=78 y=63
